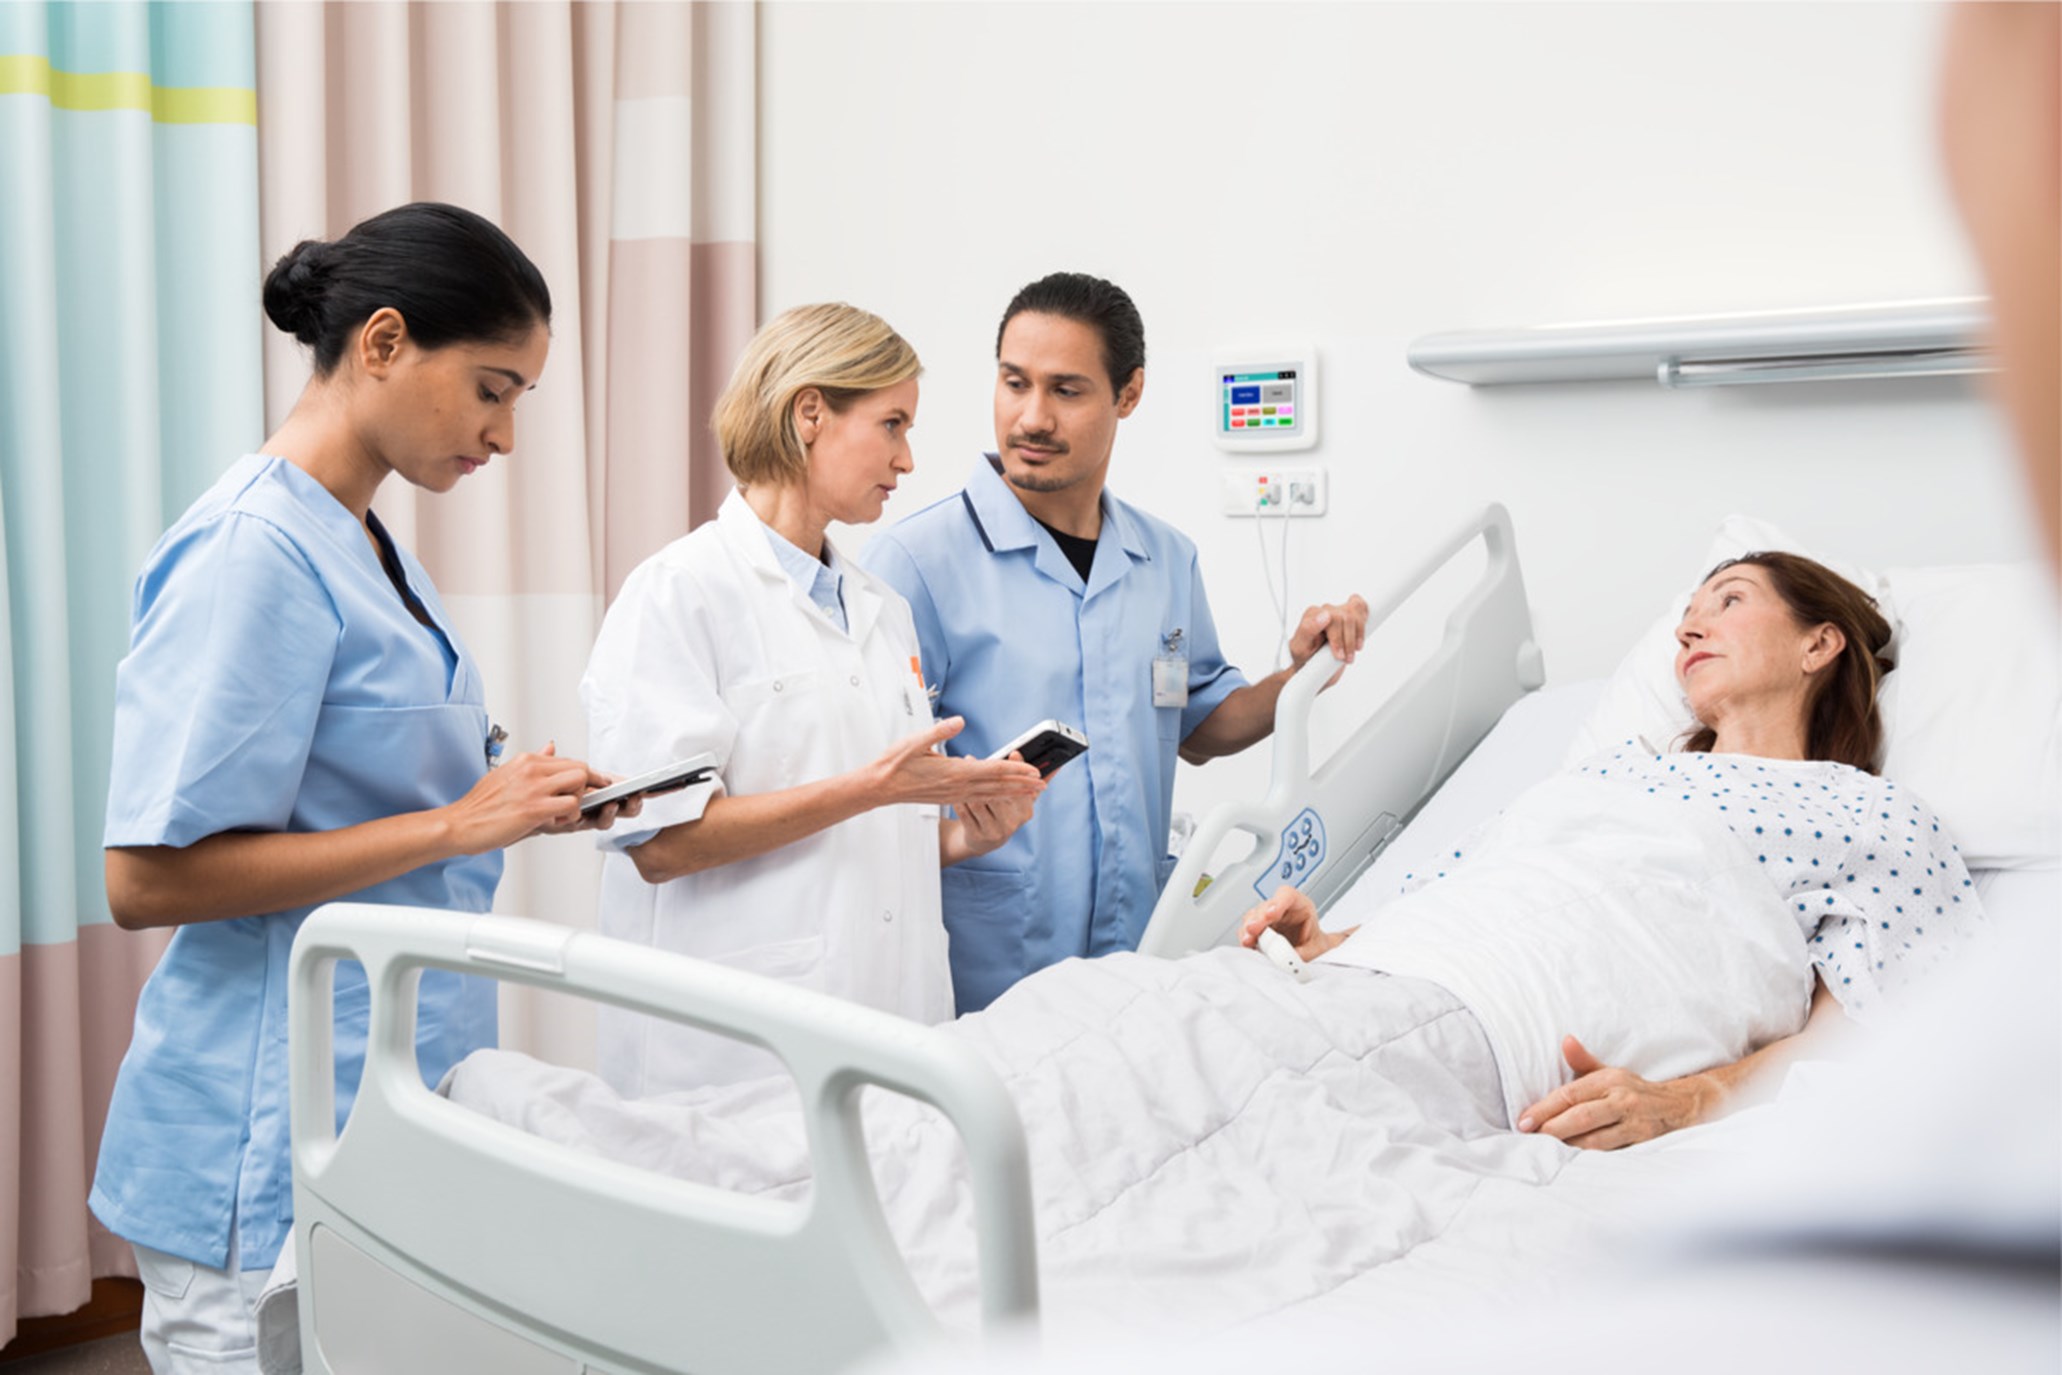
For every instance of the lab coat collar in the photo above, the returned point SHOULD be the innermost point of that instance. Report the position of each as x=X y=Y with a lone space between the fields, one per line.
x=1006 y=525
x=745 y=534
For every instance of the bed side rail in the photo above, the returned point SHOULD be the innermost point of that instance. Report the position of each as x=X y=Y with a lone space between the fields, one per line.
x=635 y=1271
x=1320 y=830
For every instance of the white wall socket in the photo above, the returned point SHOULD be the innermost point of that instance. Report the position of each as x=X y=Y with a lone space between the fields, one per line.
x=1274 y=491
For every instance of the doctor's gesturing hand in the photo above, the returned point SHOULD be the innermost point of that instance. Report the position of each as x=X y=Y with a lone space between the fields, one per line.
x=990 y=798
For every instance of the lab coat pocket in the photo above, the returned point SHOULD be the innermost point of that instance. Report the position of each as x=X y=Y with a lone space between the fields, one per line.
x=798 y=961
x=779 y=729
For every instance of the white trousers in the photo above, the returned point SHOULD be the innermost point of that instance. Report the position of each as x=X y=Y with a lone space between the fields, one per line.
x=198 y=1320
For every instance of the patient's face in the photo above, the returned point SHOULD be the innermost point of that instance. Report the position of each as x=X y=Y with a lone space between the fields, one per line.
x=1739 y=643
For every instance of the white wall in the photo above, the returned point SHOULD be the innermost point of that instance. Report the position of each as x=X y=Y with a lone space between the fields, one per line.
x=1358 y=175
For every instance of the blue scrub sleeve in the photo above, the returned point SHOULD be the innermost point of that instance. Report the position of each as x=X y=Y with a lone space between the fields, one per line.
x=1211 y=679
x=216 y=702
x=886 y=559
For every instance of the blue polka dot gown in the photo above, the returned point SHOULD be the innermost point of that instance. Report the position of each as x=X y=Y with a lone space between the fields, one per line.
x=1873 y=877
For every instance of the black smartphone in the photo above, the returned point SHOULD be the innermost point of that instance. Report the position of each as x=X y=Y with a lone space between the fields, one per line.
x=671 y=778
x=1046 y=746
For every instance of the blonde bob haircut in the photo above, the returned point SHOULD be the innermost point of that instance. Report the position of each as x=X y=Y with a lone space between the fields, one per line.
x=841 y=351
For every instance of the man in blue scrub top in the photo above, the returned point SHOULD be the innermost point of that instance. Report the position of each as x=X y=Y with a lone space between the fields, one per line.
x=1038 y=594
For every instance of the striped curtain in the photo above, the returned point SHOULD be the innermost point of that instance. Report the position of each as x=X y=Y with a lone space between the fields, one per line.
x=616 y=144
x=129 y=378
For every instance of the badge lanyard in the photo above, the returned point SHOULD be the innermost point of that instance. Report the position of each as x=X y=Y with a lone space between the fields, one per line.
x=1171 y=672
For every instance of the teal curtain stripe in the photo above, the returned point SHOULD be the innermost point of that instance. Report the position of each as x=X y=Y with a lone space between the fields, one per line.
x=180 y=43
x=130 y=376
x=109 y=37
x=10 y=775
x=31 y=488
x=24 y=28
x=211 y=402
x=204 y=43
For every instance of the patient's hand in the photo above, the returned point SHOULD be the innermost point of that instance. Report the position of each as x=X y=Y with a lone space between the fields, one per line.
x=1605 y=1108
x=1295 y=916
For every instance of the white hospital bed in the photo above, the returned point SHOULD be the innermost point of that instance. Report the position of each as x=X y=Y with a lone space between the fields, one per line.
x=430 y=1238
x=1319 y=829
x=427 y=1238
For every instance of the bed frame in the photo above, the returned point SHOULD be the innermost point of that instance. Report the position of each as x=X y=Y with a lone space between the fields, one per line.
x=410 y=1257
x=1319 y=831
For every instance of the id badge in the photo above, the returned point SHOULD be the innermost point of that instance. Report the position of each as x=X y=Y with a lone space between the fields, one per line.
x=1171 y=680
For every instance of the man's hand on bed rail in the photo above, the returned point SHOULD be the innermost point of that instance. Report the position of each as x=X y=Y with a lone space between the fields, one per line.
x=1295 y=916
x=1343 y=626
x=1247 y=716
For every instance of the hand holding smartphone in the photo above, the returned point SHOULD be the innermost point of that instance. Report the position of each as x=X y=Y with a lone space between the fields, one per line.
x=673 y=777
x=1046 y=747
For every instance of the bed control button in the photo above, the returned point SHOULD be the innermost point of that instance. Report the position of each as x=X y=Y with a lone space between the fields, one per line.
x=887 y=916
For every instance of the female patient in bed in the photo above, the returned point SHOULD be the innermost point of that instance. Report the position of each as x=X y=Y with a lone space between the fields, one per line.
x=1210 y=1139
x=1808 y=863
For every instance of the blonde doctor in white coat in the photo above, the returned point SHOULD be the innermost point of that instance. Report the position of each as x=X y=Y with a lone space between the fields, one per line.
x=755 y=640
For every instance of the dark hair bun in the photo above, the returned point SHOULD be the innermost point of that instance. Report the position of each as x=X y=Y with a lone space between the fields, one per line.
x=451 y=274
x=295 y=287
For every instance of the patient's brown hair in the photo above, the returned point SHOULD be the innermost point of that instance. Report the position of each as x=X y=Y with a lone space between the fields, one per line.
x=1842 y=723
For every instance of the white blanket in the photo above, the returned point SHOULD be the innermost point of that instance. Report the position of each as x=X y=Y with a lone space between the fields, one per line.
x=1210 y=1142
x=1638 y=924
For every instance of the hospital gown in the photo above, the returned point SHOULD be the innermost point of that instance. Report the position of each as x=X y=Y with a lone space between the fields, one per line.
x=1868 y=858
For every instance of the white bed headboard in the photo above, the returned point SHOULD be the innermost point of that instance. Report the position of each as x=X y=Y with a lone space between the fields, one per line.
x=1319 y=831
x=433 y=1239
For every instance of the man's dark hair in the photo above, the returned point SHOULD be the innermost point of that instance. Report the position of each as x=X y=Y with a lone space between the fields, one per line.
x=1100 y=305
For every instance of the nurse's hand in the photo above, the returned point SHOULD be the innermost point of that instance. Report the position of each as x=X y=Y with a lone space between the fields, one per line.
x=525 y=796
x=611 y=814
x=1343 y=626
x=913 y=771
x=1294 y=915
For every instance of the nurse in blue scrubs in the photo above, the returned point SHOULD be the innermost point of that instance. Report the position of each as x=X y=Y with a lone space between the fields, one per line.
x=297 y=721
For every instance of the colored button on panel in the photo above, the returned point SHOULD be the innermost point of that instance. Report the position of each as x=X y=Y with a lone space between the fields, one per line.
x=1267 y=410
x=1245 y=396
x=1238 y=424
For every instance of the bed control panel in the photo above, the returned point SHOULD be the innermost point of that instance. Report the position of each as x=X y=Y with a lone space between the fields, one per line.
x=1301 y=854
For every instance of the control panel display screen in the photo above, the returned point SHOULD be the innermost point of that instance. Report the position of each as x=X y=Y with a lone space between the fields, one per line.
x=1259 y=403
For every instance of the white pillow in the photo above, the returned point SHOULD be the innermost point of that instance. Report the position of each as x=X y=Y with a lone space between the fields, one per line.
x=1972 y=718
x=1972 y=715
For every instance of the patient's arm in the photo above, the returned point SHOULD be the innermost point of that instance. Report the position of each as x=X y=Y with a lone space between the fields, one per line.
x=1295 y=916
x=1605 y=1108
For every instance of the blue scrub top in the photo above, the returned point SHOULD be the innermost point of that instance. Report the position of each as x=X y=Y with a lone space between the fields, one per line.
x=1011 y=636
x=275 y=682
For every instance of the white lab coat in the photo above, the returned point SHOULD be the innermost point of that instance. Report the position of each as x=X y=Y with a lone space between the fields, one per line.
x=711 y=647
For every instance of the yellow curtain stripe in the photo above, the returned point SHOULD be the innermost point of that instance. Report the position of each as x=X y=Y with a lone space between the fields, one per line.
x=28 y=74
